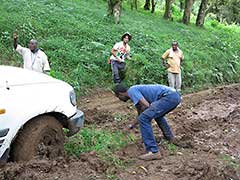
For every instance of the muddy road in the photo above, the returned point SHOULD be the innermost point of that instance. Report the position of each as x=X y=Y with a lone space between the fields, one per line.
x=207 y=126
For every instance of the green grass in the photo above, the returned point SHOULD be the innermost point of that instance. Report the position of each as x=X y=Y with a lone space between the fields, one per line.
x=172 y=148
x=77 y=37
x=104 y=142
x=229 y=161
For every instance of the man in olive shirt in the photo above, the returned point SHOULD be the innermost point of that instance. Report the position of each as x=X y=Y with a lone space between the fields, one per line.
x=172 y=60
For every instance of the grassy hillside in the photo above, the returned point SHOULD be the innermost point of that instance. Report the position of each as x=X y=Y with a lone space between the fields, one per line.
x=77 y=37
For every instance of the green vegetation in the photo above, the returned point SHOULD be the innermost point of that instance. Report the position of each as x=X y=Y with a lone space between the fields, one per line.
x=102 y=141
x=77 y=37
x=172 y=148
x=230 y=161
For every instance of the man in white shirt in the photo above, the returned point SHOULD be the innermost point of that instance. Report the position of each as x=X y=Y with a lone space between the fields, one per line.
x=120 y=52
x=33 y=58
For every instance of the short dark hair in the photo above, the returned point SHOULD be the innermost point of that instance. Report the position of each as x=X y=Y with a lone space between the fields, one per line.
x=126 y=34
x=119 y=88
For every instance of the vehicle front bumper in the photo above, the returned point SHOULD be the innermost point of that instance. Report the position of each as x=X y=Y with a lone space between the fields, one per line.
x=75 y=123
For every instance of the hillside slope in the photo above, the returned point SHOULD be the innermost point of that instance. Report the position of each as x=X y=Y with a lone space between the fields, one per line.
x=77 y=37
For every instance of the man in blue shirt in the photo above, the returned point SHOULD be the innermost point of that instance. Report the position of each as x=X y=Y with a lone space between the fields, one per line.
x=153 y=101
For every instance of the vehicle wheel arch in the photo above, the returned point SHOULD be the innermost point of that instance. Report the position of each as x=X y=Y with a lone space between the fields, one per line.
x=60 y=117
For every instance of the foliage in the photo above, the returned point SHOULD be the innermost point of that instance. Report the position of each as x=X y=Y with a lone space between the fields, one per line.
x=230 y=161
x=172 y=149
x=77 y=36
x=226 y=10
x=102 y=141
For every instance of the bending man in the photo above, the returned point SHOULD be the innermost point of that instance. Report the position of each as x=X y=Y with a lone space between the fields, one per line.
x=155 y=102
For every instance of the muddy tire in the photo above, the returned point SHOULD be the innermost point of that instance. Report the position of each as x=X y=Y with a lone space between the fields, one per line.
x=41 y=138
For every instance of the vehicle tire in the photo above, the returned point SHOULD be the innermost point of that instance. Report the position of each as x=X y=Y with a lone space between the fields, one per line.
x=41 y=138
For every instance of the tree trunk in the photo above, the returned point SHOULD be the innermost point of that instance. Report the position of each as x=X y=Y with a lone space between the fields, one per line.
x=114 y=9
x=111 y=5
x=133 y=4
x=201 y=13
x=187 y=11
x=153 y=6
x=147 y=5
x=168 y=9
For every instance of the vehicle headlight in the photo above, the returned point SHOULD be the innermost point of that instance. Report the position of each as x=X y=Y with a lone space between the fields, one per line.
x=73 y=98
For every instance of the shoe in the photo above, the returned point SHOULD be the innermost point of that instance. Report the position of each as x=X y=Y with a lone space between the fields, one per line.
x=150 y=156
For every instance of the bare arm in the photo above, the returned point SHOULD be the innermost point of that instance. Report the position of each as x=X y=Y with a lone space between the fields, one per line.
x=141 y=106
x=182 y=58
x=113 y=52
x=15 y=37
x=144 y=104
x=128 y=57
x=164 y=63
x=164 y=59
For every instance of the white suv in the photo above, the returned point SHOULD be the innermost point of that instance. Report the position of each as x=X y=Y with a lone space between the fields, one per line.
x=34 y=109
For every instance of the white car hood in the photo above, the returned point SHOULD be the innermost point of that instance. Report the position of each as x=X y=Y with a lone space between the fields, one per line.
x=14 y=76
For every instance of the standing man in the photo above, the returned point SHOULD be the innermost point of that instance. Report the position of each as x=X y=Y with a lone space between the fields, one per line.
x=33 y=58
x=120 y=52
x=172 y=60
x=155 y=101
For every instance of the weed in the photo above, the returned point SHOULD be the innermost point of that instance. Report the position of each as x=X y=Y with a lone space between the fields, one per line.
x=230 y=161
x=172 y=148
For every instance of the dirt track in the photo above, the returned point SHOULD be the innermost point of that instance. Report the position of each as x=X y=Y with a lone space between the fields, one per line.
x=207 y=125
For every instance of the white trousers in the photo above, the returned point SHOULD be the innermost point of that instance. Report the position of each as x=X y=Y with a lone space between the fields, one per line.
x=175 y=80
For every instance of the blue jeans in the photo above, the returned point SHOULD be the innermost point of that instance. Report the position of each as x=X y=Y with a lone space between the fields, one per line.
x=156 y=111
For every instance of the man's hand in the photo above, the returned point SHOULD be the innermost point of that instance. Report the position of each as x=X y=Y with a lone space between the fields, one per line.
x=167 y=66
x=119 y=60
x=133 y=124
x=128 y=57
x=15 y=35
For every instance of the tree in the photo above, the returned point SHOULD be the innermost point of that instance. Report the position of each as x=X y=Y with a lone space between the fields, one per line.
x=187 y=11
x=153 y=6
x=152 y=3
x=225 y=10
x=201 y=13
x=147 y=5
x=114 y=9
x=181 y=5
x=133 y=4
x=168 y=9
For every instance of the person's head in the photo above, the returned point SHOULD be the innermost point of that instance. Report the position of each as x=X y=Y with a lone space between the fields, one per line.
x=126 y=37
x=121 y=92
x=174 y=45
x=33 y=44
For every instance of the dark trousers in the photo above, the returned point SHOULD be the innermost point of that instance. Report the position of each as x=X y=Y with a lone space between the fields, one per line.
x=118 y=71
